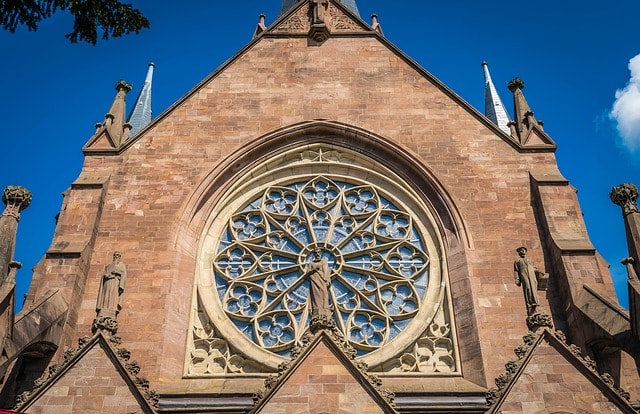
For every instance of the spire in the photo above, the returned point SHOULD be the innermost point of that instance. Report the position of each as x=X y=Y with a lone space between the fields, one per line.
x=493 y=107
x=114 y=120
x=288 y=4
x=524 y=121
x=141 y=112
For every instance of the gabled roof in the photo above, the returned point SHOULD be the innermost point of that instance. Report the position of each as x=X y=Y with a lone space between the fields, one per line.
x=99 y=352
x=324 y=374
x=551 y=373
x=295 y=22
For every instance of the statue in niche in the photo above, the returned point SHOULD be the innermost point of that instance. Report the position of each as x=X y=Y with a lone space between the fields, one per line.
x=526 y=275
x=111 y=289
x=319 y=275
x=318 y=7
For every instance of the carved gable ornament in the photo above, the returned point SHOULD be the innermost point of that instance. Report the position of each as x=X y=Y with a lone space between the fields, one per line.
x=93 y=353
x=315 y=16
x=325 y=355
x=545 y=368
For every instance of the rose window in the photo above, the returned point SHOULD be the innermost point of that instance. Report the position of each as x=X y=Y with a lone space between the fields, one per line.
x=376 y=254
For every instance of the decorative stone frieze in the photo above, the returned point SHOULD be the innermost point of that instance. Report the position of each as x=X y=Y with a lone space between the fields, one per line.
x=299 y=22
x=340 y=22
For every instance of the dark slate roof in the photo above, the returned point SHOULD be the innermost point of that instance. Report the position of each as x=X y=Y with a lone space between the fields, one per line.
x=288 y=4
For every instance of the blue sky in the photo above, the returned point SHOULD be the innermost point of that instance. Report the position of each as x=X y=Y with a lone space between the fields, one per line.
x=572 y=55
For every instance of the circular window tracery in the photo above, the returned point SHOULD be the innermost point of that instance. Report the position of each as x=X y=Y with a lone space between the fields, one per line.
x=376 y=254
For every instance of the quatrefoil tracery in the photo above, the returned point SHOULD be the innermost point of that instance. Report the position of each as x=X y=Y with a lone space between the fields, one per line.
x=376 y=254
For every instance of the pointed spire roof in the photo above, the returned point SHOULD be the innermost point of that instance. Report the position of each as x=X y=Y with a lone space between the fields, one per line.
x=493 y=107
x=115 y=118
x=288 y=4
x=525 y=128
x=141 y=112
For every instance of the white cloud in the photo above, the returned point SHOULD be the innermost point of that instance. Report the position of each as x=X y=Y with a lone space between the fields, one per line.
x=626 y=108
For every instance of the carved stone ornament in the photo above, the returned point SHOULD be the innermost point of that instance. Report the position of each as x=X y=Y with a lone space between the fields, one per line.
x=211 y=355
x=105 y=323
x=340 y=22
x=539 y=320
x=319 y=32
x=123 y=86
x=433 y=352
x=626 y=196
x=515 y=84
x=299 y=22
x=16 y=199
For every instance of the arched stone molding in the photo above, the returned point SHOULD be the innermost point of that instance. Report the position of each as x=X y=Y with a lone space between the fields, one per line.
x=447 y=220
x=407 y=165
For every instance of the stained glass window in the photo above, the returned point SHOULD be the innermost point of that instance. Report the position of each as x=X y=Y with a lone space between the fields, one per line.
x=376 y=254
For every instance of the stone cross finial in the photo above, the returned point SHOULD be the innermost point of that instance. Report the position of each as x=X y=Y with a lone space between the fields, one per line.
x=16 y=199
x=626 y=196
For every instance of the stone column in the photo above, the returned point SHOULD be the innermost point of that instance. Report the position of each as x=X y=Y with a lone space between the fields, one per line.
x=15 y=199
x=626 y=196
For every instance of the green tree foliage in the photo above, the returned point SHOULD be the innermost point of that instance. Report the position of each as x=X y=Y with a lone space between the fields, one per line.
x=111 y=17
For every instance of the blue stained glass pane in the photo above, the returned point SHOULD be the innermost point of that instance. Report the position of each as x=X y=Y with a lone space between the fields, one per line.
x=245 y=328
x=262 y=254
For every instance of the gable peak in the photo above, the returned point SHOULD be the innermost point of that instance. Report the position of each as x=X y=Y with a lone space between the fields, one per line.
x=288 y=4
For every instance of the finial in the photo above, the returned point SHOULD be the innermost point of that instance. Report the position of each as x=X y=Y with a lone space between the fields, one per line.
x=261 y=26
x=375 y=25
x=16 y=198
x=514 y=84
x=625 y=195
x=123 y=86
x=628 y=262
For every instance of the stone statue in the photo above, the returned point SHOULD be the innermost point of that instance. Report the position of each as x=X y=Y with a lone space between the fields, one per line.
x=317 y=271
x=318 y=7
x=110 y=294
x=526 y=275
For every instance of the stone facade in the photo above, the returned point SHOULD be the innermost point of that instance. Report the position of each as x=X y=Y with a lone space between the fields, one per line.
x=153 y=197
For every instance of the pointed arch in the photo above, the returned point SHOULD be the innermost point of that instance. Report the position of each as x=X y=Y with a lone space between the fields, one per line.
x=380 y=149
x=265 y=154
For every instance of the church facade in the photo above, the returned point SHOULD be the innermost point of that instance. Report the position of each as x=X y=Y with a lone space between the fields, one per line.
x=321 y=226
